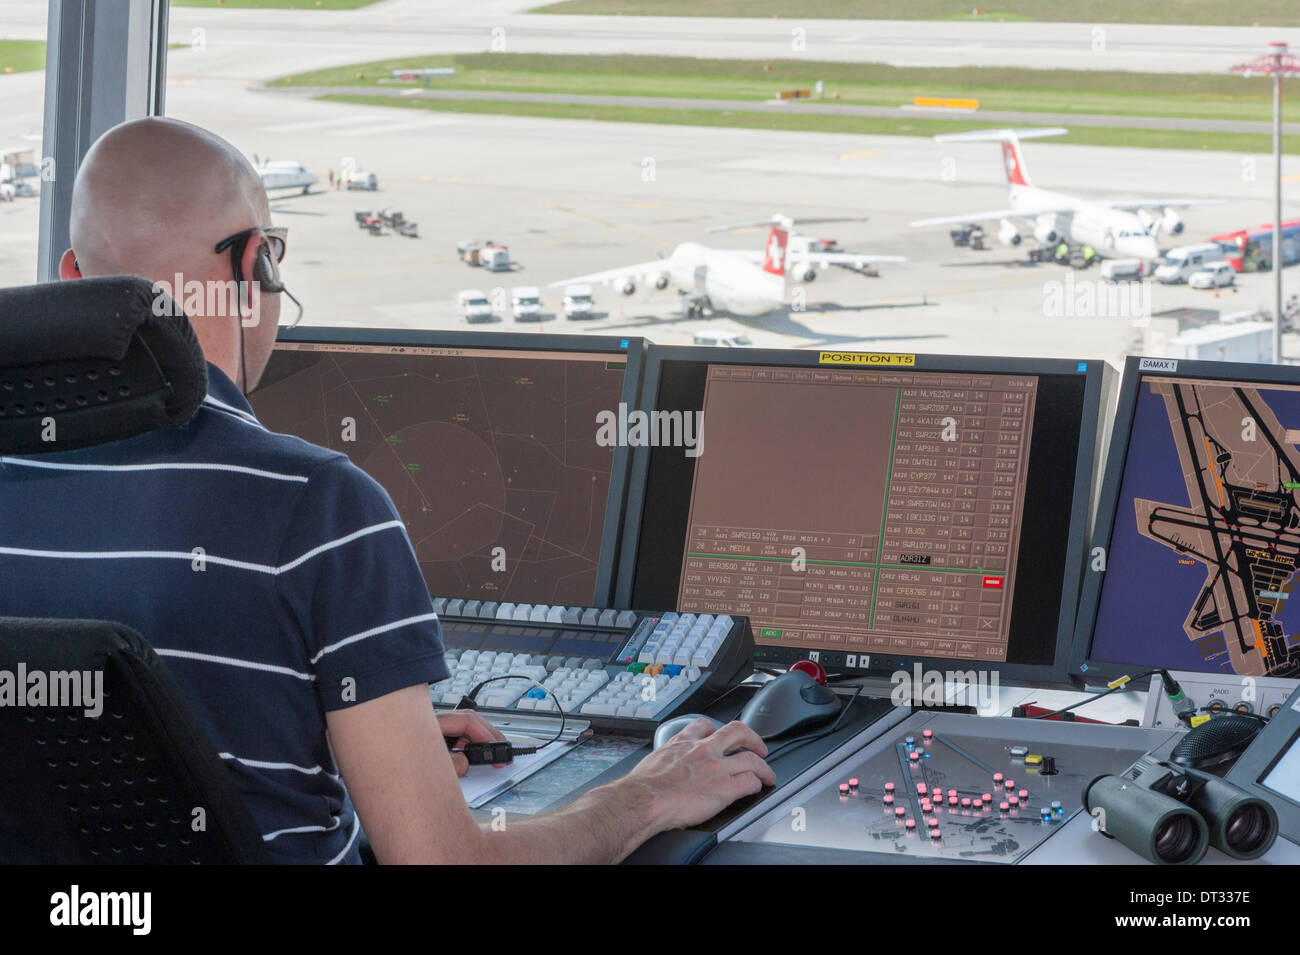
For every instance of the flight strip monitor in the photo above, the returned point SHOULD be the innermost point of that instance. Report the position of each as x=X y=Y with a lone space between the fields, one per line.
x=1193 y=561
x=488 y=443
x=873 y=510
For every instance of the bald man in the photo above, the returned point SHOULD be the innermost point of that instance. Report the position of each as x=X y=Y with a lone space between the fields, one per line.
x=307 y=644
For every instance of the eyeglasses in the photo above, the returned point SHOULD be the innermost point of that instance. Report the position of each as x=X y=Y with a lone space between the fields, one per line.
x=276 y=237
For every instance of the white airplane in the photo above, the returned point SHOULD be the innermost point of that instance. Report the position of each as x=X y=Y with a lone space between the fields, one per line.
x=1116 y=228
x=737 y=281
x=286 y=174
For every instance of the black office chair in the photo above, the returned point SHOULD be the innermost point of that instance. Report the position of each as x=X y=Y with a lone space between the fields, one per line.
x=85 y=363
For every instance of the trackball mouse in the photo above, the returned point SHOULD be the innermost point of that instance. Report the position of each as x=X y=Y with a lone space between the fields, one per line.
x=792 y=701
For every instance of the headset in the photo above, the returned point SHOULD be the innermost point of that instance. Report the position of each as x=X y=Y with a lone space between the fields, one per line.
x=271 y=243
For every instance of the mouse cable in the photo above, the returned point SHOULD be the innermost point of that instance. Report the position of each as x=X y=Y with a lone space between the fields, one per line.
x=497 y=751
x=793 y=744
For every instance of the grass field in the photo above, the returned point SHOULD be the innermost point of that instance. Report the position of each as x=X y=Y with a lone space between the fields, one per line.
x=278 y=4
x=811 y=122
x=1202 y=96
x=1205 y=12
x=19 y=56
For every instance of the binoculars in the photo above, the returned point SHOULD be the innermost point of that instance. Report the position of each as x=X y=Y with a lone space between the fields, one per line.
x=1170 y=814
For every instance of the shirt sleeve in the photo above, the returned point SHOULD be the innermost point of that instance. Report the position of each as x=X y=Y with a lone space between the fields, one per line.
x=350 y=583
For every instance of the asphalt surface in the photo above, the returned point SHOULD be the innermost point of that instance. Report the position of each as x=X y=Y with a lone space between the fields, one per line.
x=992 y=117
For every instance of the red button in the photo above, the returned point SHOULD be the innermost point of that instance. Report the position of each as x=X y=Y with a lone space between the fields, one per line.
x=994 y=583
x=1004 y=806
x=1024 y=794
x=920 y=788
x=899 y=811
x=889 y=787
x=853 y=784
x=889 y=800
x=813 y=668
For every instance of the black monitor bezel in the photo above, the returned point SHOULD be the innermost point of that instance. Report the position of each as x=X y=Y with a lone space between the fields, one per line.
x=1095 y=380
x=632 y=347
x=1082 y=664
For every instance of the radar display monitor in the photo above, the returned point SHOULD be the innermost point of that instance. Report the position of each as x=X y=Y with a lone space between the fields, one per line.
x=1193 y=564
x=870 y=510
x=487 y=443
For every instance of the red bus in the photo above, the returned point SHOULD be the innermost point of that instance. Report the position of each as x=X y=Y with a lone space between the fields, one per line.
x=1251 y=250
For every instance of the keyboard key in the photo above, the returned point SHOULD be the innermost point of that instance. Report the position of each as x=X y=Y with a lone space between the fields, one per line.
x=488 y=611
x=626 y=618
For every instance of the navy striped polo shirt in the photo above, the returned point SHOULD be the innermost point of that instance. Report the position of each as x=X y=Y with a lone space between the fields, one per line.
x=273 y=577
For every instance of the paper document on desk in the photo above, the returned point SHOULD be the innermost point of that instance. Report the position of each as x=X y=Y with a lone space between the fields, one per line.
x=483 y=783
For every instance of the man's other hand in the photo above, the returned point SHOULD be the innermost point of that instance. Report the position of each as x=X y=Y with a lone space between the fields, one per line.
x=701 y=771
x=467 y=726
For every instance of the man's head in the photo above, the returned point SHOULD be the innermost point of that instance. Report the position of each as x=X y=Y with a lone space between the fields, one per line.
x=153 y=198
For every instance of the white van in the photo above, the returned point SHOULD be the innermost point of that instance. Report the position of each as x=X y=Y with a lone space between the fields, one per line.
x=474 y=305
x=578 y=302
x=526 y=302
x=722 y=338
x=1181 y=262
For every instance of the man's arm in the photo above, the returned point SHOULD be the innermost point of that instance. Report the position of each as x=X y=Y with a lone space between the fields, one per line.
x=402 y=781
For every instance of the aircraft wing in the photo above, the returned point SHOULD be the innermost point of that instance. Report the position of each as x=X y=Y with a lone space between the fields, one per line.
x=843 y=258
x=609 y=276
x=1151 y=203
x=994 y=214
x=820 y=258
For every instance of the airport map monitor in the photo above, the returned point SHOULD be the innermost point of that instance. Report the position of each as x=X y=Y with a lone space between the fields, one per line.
x=1193 y=563
x=487 y=444
x=874 y=511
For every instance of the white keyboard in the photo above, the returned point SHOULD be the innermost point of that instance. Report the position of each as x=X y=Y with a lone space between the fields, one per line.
x=605 y=665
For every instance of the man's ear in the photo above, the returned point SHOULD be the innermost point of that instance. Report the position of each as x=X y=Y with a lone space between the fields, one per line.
x=68 y=267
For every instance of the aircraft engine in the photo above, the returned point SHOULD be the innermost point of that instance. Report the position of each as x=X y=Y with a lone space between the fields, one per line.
x=1047 y=230
x=1008 y=234
x=661 y=281
x=1171 y=222
x=628 y=287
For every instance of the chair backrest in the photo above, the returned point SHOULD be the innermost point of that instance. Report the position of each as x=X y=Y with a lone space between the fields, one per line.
x=103 y=760
x=96 y=360
x=85 y=363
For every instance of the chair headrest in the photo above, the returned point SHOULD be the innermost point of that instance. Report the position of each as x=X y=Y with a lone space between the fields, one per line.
x=91 y=361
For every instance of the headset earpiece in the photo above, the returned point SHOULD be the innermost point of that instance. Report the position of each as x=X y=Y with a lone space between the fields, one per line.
x=265 y=273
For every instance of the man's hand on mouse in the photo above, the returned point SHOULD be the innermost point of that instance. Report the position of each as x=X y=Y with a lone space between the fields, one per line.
x=701 y=771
